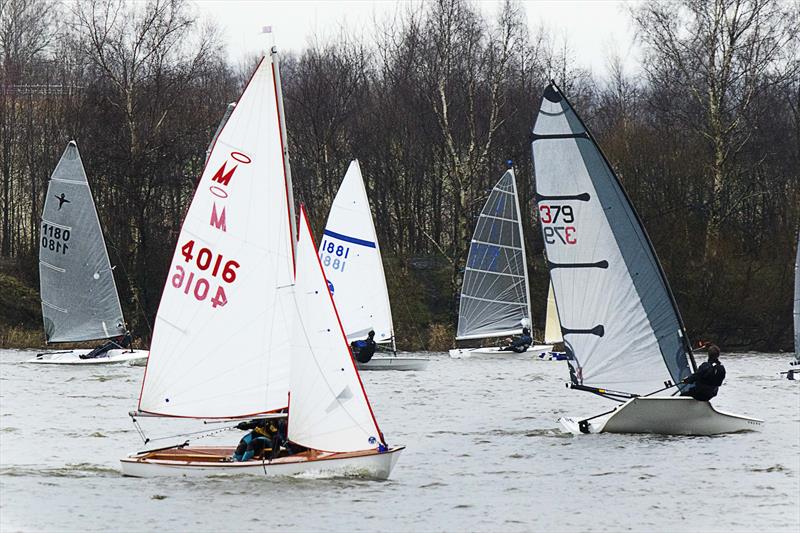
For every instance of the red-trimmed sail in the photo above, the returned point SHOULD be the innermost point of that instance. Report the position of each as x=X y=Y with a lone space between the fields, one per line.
x=329 y=410
x=221 y=343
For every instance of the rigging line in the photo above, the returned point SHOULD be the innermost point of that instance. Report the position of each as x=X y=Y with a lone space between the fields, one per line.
x=130 y=284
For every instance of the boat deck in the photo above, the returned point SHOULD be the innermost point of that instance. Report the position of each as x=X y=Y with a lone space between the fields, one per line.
x=222 y=454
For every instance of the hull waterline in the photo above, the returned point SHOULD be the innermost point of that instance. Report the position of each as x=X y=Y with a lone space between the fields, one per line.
x=72 y=357
x=498 y=353
x=394 y=363
x=665 y=416
x=212 y=461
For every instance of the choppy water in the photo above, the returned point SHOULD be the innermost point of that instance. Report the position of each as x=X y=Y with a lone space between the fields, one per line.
x=484 y=453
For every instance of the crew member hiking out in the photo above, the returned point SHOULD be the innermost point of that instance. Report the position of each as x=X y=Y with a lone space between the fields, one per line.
x=364 y=350
x=708 y=377
x=521 y=343
x=123 y=342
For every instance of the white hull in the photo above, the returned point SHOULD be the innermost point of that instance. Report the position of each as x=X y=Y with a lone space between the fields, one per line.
x=394 y=363
x=72 y=357
x=551 y=356
x=665 y=416
x=367 y=464
x=497 y=352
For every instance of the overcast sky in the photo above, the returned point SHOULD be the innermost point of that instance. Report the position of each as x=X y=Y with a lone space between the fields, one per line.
x=593 y=28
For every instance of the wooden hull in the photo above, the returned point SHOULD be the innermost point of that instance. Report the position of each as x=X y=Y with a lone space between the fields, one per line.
x=666 y=416
x=495 y=352
x=394 y=363
x=213 y=461
x=72 y=357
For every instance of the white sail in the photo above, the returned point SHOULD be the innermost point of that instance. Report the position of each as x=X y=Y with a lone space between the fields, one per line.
x=618 y=316
x=552 y=327
x=494 y=293
x=79 y=296
x=221 y=346
x=351 y=257
x=328 y=408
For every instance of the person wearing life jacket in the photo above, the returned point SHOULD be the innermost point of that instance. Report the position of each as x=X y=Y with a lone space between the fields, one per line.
x=265 y=433
x=708 y=377
x=364 y=350
x=521 y=343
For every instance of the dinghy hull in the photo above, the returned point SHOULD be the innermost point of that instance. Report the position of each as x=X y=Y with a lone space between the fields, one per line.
x=394 y=363
x=213 y=461
x=497 y=352
x=665 y=416
x=72 y=357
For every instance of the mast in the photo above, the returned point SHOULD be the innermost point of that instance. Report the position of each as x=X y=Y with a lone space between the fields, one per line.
x=225 y=117
x=285 y=143
x=522 y=245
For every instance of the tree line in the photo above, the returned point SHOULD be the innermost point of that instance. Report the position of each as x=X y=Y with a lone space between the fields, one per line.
x=706 y=140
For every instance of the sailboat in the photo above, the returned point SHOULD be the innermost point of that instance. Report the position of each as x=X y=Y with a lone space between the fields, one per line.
x=494 y=292
x=351 y=256
x=246 y=318
x=794 y=373
x=552 y=329
x=79 y=297
x=620 y=322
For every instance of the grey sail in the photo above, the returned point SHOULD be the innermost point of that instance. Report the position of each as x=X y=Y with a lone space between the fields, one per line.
x=797 y=302
x=494 y=293
x=618 y=315
x=79 y=297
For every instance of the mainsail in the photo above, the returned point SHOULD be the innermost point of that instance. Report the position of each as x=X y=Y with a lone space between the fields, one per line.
x=221 y=344
x=328 y=408
x=552 y=327
x=79 y=297
x=351 y=256
x=797 y=302
x=618 y=316
x=494 y=294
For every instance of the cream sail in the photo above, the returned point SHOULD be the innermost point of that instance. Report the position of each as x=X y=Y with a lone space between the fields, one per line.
x=221 y=346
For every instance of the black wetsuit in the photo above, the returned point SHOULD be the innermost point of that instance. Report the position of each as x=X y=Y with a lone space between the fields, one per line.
x=364 y=350
x=520 y=344
x=706 y=381
x=123 y=342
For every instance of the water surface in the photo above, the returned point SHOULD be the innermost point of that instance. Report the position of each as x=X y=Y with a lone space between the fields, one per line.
x=484 y=453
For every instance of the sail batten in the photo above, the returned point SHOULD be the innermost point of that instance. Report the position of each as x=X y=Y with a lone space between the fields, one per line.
x=617 y=313
x=351 y=256
x=494 y=293
x=78 y=293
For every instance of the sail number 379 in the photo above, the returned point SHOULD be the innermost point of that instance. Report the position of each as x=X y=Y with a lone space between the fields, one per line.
x=198 y=286
x=550 y=216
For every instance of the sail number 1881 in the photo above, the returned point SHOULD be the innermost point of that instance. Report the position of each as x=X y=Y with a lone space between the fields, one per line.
x=333 y=256
x=549 y=216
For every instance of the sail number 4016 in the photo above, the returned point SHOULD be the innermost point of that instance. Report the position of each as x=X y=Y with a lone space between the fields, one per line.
x=549 y=216
x=199 y=286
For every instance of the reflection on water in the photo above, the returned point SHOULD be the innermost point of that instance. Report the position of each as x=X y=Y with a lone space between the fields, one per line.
x=484 y=452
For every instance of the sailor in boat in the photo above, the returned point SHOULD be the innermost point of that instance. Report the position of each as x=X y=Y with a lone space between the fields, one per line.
x=520 y=344
x=123 y=342
x=264 y=434
x=708 y=377
x=364 y=349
